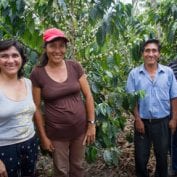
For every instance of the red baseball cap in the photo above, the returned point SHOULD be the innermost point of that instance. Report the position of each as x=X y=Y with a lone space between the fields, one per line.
x=53 y=33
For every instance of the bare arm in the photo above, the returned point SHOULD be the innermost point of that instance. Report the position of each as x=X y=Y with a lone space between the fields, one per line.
x=89 y=102
x=39 y=121
x=3 y=172
x=139 y=125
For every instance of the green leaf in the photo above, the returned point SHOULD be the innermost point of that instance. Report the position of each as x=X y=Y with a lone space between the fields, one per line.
x=4 y=3
x=101 y=35
x=172 y=32
x=109 y=74
x=63 y=5
x=91 y=154
x=115 y=157
x=107 y=157
x=104 y=127
x=20 y=4
x=103 y=108
x=111 y=156
x=33 y=57
x=94 y=88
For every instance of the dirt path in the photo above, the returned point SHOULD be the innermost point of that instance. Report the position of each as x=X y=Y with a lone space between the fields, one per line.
x=99 y=169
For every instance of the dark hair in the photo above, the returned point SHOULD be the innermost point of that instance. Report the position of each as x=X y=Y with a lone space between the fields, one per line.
x=43 y=60
x=6 y=44
x=44 y=57
x=150 y=41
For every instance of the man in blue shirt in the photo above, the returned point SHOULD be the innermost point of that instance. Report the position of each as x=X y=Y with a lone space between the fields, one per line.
x=152 y=111
x=173 y=65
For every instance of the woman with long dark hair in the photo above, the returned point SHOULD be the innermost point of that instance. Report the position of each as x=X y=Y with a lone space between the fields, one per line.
x=18 y=143
x=69 y=121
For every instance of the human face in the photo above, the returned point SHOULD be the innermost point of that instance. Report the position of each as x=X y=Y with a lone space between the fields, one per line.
x=56 y=51
x=151 y=54
x=10 y=61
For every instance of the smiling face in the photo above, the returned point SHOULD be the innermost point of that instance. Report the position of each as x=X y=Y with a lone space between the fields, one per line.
x=10 y=61
x=151 y=54
x=56 y=51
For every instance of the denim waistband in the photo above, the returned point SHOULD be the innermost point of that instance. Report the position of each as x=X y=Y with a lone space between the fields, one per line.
x=154 y=120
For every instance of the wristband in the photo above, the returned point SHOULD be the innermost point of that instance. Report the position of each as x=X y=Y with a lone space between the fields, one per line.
x=91 y=121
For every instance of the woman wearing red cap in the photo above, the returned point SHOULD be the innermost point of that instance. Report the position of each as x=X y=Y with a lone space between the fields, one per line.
x=69 y=122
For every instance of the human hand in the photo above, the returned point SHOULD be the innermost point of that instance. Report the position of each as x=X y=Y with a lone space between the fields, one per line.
x=3 y=172
x=172 y=125
x=139 y=126
x=90 y=135
x=47 y=144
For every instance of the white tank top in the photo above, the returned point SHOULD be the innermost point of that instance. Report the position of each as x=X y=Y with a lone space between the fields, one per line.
x=16 y=118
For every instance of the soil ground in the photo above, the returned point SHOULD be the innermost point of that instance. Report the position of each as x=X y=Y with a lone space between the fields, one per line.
x=99 y=168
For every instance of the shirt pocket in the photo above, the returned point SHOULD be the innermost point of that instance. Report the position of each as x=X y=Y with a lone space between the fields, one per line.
x=162 y=92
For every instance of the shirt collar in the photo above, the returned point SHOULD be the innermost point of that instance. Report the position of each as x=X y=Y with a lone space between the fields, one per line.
x=159 y=69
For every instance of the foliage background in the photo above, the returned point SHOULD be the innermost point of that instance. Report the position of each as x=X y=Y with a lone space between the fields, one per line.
x=106 y=37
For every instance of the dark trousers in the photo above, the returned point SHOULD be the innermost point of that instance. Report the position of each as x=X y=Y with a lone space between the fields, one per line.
x=20 y=159
x=156 y=134
x=174 y=151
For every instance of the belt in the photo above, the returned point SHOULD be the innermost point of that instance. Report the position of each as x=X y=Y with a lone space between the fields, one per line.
x=154 y=120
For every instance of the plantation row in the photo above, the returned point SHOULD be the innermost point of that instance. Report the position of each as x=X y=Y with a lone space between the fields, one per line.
x=106 y=37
